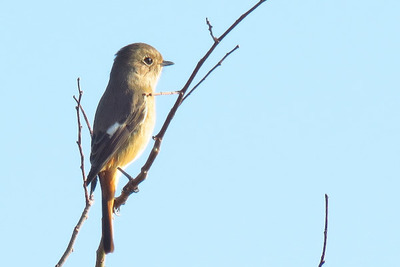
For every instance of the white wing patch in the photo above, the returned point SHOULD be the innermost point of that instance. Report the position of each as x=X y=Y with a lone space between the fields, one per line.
x=113 y=128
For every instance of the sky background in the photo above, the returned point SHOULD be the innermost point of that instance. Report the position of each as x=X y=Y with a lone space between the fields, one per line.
x=309 y=104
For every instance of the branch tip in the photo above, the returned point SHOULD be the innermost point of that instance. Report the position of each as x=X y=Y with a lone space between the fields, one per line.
x=322 y=261
x=219 y=63
x=216 y=40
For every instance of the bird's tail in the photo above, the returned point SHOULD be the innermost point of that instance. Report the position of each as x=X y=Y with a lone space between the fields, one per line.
x=107 y=182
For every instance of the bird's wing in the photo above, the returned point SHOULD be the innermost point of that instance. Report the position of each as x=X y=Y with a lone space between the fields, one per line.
x=107 y=142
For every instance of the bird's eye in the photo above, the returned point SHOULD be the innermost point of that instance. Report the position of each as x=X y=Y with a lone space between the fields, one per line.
x=148 y=61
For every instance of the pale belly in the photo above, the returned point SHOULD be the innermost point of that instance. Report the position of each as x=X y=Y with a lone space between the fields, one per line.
x=135 y=145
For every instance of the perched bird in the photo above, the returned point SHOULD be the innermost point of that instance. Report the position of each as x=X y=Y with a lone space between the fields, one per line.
x=123 y=123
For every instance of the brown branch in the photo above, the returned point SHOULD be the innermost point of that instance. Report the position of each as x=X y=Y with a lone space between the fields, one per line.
x=132 y=185
x=240 y=19
x=209 y=72
x=88 y=199
x=100 y=255
x=78 y=101
x=79 y=142
x=322 y=261
x=210 y=30
x=75 y=232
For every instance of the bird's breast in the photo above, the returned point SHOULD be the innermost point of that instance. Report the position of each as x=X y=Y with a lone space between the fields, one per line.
x=138 y=139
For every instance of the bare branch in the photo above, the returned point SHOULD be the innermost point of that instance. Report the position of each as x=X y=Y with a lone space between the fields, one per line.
x=88 y=199
x=162 y=93
x=125 y=173
x=240 y=19
x=75 y=232
x=132 y=185
x=209 y=72
x=100 y=255
x=215 y=39
x=322 y=261
x=80 y=106
x=79 y=142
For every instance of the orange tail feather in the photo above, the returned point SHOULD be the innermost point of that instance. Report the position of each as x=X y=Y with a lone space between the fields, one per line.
x=108 y=192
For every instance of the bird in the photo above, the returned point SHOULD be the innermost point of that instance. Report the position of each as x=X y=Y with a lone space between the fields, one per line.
x=123 y=124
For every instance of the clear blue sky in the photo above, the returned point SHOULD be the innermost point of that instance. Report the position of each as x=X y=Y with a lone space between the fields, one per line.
x=309 y=104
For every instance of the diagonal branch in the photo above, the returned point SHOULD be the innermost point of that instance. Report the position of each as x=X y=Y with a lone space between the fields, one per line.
x=209 y=72
x=240 y=19
x=132 y=185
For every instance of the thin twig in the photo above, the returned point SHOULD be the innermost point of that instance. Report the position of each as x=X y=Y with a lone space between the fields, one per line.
x=132 y=185
x=83 y=111
x=162 y=93
x=209 y=72
x=125 y=173
x=75 y=232
x=240 y=19
x=322 y=261
x=88 y=199
x=210 y=30
x=79 y=142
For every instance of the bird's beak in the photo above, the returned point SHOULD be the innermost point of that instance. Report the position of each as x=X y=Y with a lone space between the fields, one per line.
x=167 y=63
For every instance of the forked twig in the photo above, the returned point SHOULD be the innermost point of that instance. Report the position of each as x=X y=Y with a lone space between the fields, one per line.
x=89 y=200
x=209 y=72
x=78 y=101
x=132 y=185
